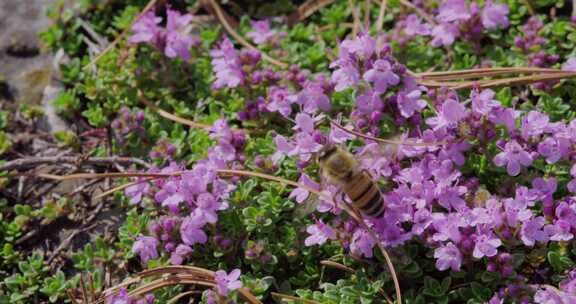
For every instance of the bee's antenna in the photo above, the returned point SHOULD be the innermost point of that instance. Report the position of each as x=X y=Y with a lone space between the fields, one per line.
x=387 y=141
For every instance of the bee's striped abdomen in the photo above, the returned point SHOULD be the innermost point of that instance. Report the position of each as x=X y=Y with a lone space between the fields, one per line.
x=365 y=195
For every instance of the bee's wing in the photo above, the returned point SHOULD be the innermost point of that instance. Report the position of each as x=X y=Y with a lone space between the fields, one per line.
x=307 y=207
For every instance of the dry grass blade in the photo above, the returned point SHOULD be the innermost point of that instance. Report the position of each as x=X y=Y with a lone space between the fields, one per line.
x=339 y=266
x=306 y=10
x=357 y=24
x=232 y=32
x=388 y=141
x=174 y=275
x=380 y=20
x=179 y=296
x=122 y=187
x=124 y=32
x=354 y=214
x=290 y=298
x=529 y=7
x=419 y=11
x=504 y=70
x=521 y=80
x=170 y=116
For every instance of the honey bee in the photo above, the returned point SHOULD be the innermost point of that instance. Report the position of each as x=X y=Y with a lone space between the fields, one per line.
x=340 y=168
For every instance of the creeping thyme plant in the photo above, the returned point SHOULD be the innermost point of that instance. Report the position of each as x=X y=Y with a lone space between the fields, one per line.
x=479 y=202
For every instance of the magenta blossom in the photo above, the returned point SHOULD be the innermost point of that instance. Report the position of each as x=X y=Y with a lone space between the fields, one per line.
x=178 y=40
x=137 y=191
x=513 y=157
x=381 y=76
x=191 y=230
x=483 y=102
x=495 y=15
x=362 y=243
x=410 y=102
x=319 y=234
x=225 y=283
x=146 y=247
x=532 y=231
x=261 y=33
x=486 y=245
x=453 y=10
x=448 y=256
x=570 y=65
x=444 y=34
x=146 y=29
x=300 y=194
x=415 y=27
x=449 y=115
x=227 y=66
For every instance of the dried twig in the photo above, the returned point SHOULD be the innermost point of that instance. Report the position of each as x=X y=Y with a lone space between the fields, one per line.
x=419 y=11
x=29 y=162
x=171 y=116
x=356 y=17
x=529 y=7
x=232 y=32
x=173 y=275
x=380 y=20
x=306 y=10
x=124 y=32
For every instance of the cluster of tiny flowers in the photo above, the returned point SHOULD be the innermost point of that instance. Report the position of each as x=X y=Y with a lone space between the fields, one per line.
x=174 y=39
x=540 y=294
x=431 y=195
x=455 y=19
x=191 y=198
x=128 y=122
x=262 y=33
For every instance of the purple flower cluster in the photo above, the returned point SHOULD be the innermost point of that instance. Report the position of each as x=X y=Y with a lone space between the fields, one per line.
x=455 y=19
x=431 y=198
x=174 y=40
x=262 y=33
x=128 y=122
x=193 y=199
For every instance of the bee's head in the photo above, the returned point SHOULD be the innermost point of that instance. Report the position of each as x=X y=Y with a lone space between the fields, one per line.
x=325 y=152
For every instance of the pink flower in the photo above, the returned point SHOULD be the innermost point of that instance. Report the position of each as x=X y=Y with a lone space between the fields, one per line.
x=486 y=245
x=450 y=114
x=414 y=26
x=362 y=46
x=453 y=10
x=191 y=230
x=410 y=103
x=146 y=247
x=227 y=66
x=494 y=15
x=513 y=157
x=570 y=65
x=319 y=234
x=362 y=243
x=146 y=29
x=178 y=255
x=225 y=283
x=448 y=256
x=483 y=102
x=262 y=32
x=381 y=76
x=345 y=77
x=137 y=191
x=300 y=194
x=532 y=232
x=178 y=40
